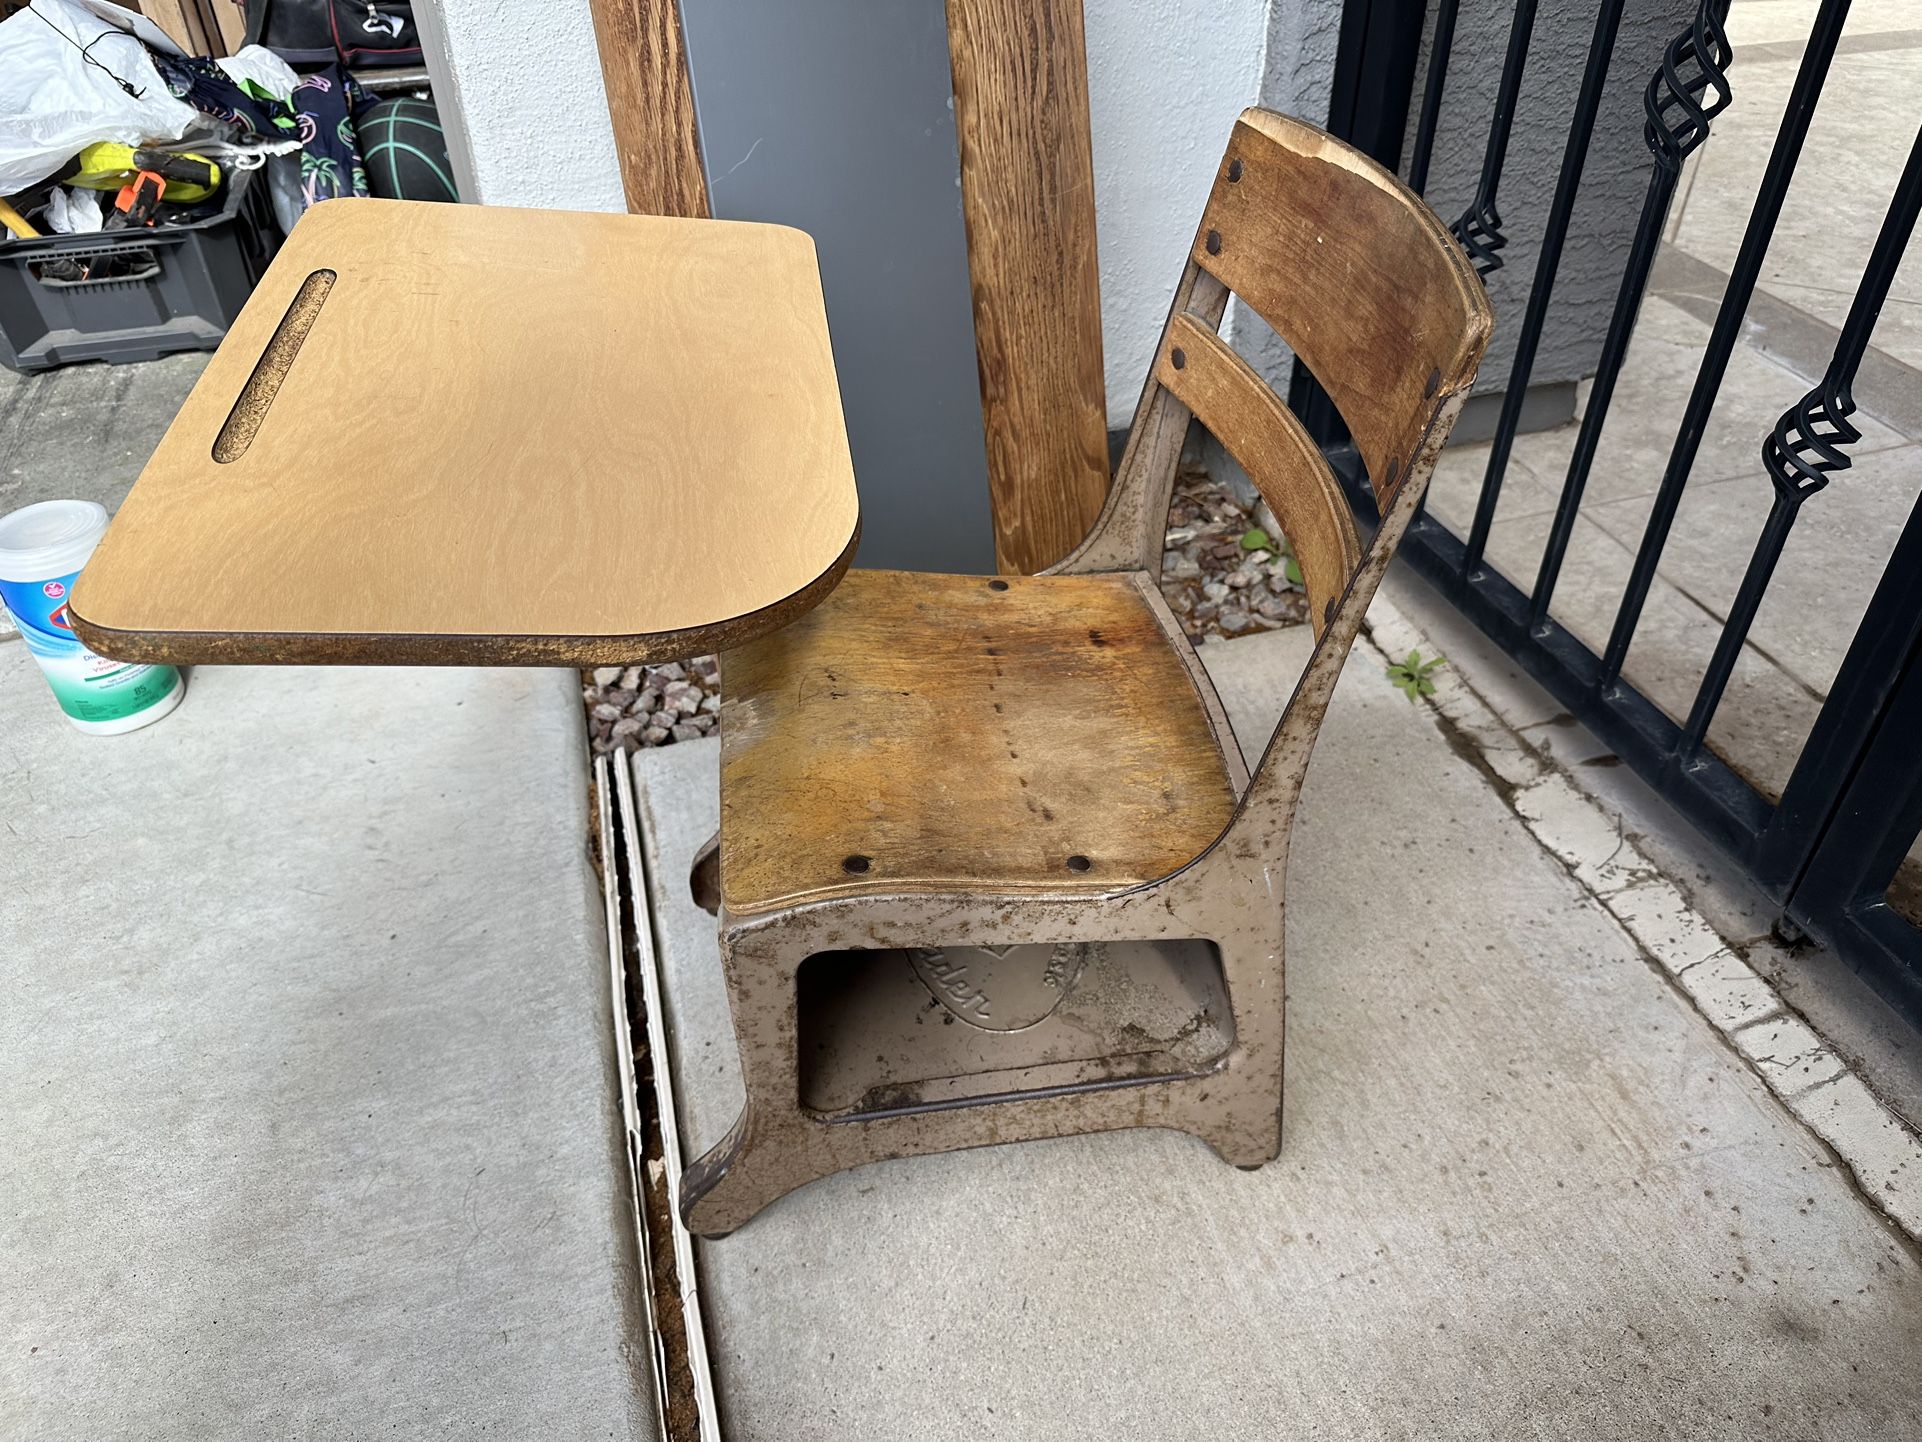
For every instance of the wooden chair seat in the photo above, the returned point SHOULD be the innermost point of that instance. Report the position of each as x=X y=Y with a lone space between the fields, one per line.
x=961 y=733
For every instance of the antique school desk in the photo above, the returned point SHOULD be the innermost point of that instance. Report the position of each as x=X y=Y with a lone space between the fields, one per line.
x=476 y=436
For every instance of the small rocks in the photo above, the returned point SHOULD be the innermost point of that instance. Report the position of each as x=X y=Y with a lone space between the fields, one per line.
x=1277 y=608
x=634 y=706
x=1212 y=583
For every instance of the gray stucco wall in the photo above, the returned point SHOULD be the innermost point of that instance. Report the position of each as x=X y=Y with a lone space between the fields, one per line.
x=1613 y=182
x=1297 y=75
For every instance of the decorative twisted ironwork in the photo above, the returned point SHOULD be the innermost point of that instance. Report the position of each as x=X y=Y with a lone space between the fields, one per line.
x=1693 y=63
x=1807 y=442
x=1480 y=228
x=1480 y=233
x=1689 y=89
x=1805 y=447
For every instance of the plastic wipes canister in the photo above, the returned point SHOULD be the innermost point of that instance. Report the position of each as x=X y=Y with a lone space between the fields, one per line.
x=42 y=550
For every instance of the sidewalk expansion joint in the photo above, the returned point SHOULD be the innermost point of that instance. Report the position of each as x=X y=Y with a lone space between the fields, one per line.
x=1870 y=1143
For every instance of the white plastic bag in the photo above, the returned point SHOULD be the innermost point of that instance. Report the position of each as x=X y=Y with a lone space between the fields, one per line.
x=72 y=211
x=61 y=90
x=260 y=65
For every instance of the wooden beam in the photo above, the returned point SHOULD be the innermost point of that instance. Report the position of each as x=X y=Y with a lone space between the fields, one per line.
x=1027 y=192
x=651 y=102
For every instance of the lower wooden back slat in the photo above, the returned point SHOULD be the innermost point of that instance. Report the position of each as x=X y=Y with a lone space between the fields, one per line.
x=1241 y=411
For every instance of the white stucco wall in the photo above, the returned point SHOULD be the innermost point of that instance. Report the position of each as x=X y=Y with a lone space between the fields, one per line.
x=529 y=124
x=1166 y=79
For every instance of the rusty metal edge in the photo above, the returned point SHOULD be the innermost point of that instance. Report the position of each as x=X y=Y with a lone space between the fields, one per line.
x=624 y=1060
x=699 y=1365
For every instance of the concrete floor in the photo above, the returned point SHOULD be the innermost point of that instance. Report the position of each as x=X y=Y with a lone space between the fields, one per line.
x=307 y=1088
x=1525 y=1190
x=307 y=1092
x=1884 y=1050
x=1858 y=142
x=85 y=431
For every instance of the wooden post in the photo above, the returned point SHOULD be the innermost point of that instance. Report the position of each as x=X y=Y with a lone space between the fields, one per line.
x=651 y=103
x=1027 y=186
x=1027 y=192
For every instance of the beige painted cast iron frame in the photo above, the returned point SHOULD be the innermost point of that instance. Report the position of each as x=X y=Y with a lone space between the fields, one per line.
x=1232 y=893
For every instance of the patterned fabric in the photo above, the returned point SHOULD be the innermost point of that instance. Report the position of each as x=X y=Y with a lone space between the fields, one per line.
x=211 y=91
x=330 y=161
x=320 y=113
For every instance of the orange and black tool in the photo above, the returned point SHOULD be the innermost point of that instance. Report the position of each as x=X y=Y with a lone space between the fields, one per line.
x=138 y=202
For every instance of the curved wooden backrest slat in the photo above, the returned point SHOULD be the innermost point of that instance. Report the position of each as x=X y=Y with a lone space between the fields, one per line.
x=1242 y=411
x=1375 y=295
x=1357 y=274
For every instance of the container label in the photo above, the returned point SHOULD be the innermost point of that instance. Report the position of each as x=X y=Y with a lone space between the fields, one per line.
x=88 y=687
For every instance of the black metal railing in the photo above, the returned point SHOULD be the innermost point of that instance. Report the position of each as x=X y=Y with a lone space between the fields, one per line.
x=1827 y=850
x=1688 y=91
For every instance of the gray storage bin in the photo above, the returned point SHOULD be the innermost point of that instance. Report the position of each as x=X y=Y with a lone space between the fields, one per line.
x=186 y=285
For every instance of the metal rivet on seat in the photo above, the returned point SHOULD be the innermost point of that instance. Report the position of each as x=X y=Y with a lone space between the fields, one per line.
x=1179 y=358
x=997 y=585
x=1214 y=242
x=1080 y=863
x=856 y=865
x=1234 y=170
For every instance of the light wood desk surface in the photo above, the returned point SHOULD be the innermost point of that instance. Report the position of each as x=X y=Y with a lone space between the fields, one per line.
x=484 y=436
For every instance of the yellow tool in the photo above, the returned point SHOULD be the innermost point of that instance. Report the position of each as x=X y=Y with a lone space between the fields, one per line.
x=17 y=223
x=109 y=165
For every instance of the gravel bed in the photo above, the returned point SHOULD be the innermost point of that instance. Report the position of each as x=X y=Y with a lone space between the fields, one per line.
x=630 y=706
x=1221 y=579
x=1225 y=570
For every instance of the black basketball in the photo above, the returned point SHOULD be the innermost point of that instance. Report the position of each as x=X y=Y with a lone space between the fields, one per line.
x=405 y=150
